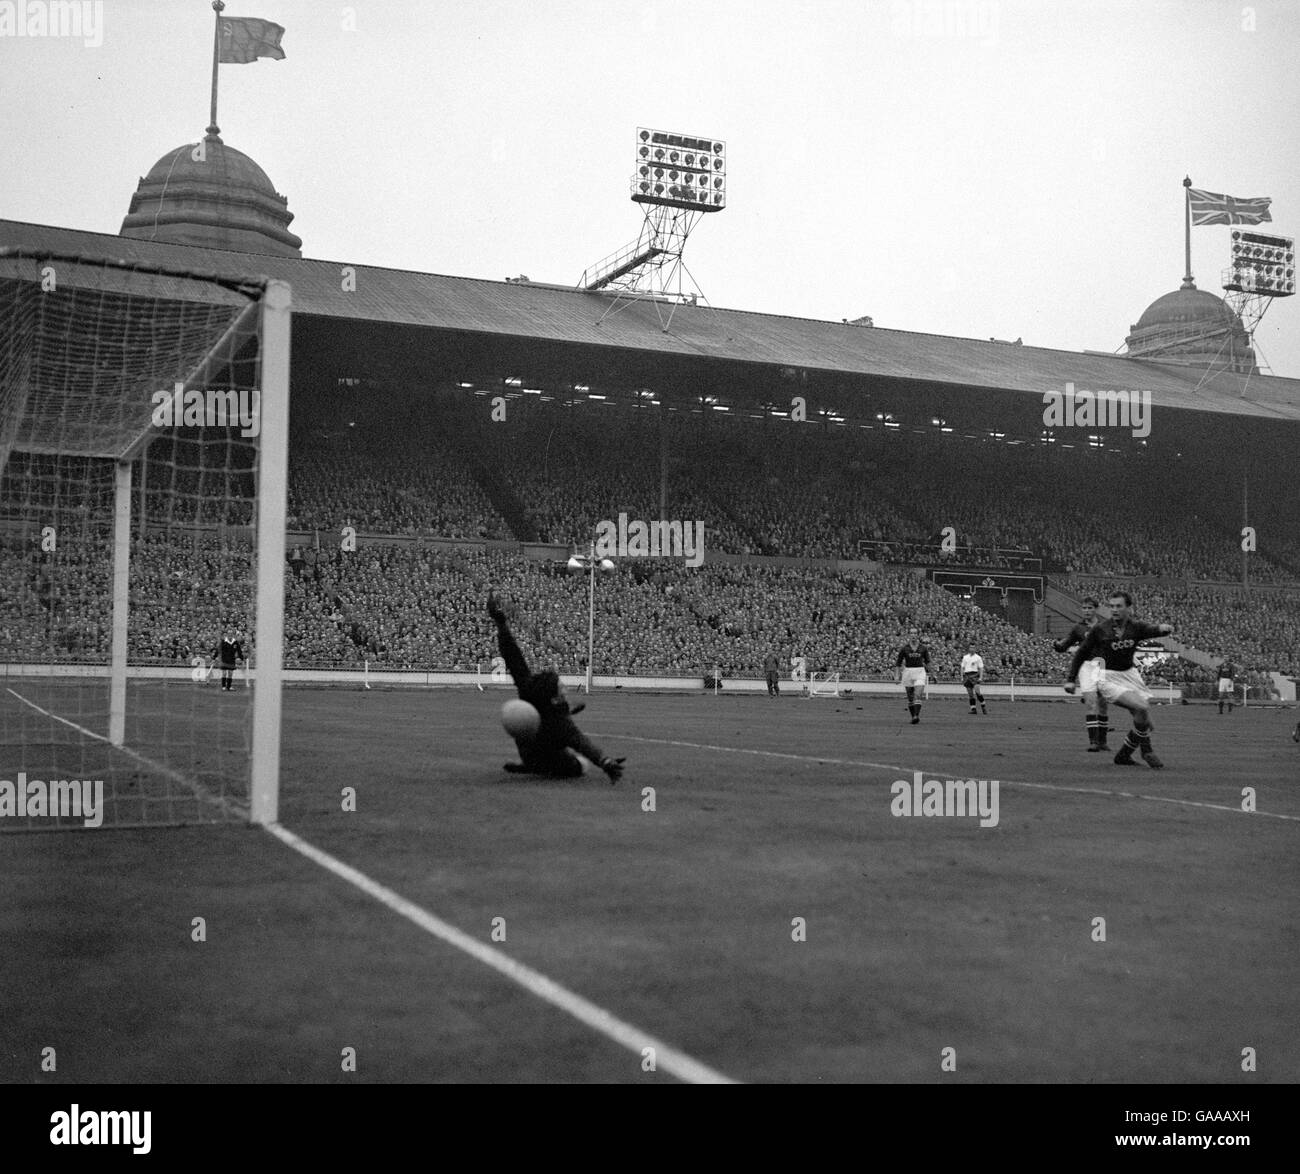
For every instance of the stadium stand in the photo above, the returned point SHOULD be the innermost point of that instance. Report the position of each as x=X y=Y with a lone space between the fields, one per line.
x=435 y=467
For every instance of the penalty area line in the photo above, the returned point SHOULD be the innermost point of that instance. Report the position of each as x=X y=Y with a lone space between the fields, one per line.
x=909 y=770
x=670 y=1059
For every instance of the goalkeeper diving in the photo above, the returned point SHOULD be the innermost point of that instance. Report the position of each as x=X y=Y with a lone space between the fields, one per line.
x=553 y=751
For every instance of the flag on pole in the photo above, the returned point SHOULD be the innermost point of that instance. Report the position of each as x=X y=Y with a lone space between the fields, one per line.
x=246 y=38
x=1212 y=208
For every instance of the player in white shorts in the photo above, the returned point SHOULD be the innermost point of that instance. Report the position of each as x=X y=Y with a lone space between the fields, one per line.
x=1114 y=684
x=913 y=660
x=1227 y=685
x=1090 y=674
x=1116 y=640
x=1097 y=715
x=972 y=676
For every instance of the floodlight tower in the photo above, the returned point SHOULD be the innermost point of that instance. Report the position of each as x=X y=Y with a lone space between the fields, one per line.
x=1263 y=268
x=678 y=178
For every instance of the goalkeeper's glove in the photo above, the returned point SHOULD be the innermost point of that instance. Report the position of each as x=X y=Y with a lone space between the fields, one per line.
x=613 y=767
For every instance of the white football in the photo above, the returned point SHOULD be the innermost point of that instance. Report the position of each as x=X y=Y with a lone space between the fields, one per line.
x=520 y=719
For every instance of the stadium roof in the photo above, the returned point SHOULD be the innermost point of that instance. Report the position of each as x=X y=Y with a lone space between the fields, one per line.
x=565 y=315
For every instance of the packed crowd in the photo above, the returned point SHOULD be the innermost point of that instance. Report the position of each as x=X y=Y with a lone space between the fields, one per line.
x=773 y=488
x=441 y=466
x=408 y=476
x=416 y=607
x=570 y=474
x=57 y=605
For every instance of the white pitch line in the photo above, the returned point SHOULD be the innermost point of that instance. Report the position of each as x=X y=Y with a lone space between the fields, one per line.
x=672 y=1060
x=229 y=806
x=667 y=1057
x=908 y=770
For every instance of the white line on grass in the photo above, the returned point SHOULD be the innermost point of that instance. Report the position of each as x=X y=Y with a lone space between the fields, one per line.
x=670 y=1059
x=905 y=770
x=673 y=1061
x=231 y=807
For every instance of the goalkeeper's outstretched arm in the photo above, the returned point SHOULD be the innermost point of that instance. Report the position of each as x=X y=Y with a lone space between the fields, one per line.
x=510 y=653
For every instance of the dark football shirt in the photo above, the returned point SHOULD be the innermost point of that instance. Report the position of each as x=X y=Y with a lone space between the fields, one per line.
x=1114 y=642
x=228 y=652
x=913 y=658
x=1076 y=635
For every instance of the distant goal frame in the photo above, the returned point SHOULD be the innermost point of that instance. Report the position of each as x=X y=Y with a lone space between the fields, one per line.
x=823 y=684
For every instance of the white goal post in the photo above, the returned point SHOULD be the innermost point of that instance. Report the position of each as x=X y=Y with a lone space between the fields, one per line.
x=144 y=422
x=822 y=685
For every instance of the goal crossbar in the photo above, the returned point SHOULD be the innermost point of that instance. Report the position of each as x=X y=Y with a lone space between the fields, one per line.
x=113 y=420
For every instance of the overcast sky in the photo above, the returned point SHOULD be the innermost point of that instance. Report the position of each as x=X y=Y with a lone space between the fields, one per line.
x=1009 y=169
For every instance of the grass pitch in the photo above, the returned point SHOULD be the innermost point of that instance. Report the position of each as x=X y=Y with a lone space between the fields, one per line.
x=922 y=934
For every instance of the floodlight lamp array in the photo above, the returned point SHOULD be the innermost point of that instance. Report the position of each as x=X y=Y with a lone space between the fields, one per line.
x=1262 y=264
x=680 y=170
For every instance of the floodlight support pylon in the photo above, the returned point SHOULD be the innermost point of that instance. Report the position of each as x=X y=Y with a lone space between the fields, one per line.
x=1249 y=307
x=651 y=268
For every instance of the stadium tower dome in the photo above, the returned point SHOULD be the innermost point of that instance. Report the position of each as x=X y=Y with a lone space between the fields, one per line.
x=1193 y=326
x=220 y=201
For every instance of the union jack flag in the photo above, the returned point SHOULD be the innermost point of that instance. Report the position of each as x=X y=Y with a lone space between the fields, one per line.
x=1212 y=208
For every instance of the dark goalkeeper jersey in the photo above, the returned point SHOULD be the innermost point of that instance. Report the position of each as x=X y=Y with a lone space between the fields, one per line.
x=1115 y=643
x=557 y=731
x=913 y=658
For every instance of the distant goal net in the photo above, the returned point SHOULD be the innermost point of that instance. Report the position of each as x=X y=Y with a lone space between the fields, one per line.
x=143 y=462
x=822 y=685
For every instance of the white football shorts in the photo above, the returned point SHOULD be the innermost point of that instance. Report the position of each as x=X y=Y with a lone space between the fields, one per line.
x=1113 y=684
x=914 y=678
x=1225 y=685
x=1090 y=672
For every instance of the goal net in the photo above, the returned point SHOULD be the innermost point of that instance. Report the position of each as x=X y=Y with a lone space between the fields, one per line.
x=823 y=685
x=143 y=459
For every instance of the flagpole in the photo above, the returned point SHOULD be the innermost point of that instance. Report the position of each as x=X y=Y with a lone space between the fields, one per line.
x=1188 y=283
x=218 y=7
